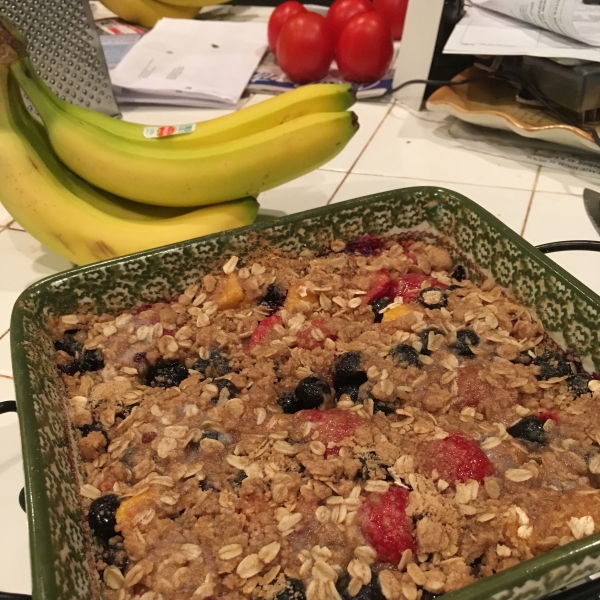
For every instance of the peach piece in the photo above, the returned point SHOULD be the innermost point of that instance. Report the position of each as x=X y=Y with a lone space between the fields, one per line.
x=396 y=313
x=296 y=293
x=230 y=293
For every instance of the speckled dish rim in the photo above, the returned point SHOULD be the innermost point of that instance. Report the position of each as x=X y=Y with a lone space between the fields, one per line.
x=551 y=570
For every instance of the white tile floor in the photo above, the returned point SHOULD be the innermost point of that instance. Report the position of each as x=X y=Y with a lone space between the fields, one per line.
x=393 y=148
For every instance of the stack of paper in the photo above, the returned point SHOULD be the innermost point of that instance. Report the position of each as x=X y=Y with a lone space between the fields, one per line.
x=483 y=31
x=191 y=63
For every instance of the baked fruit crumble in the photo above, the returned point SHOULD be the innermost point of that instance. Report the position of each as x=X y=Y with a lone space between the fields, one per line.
x=363 y=422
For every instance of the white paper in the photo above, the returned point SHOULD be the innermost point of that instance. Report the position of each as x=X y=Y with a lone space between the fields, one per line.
x=525 y=150
x=483 y=31
x=571 y=18
x=197 y=61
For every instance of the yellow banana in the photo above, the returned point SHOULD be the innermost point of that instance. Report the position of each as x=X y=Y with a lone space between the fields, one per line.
x=305 y=100
x=75 y=220
x=148 y=12
x=206 y=175
x=197 y=3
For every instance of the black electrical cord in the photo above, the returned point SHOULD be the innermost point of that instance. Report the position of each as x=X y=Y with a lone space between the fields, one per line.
x=591 y=245
x=438 y=82
x=511 y=77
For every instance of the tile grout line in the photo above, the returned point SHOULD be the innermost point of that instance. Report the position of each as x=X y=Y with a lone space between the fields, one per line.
x=535 y=182
x=482 y=185
x=359 y=155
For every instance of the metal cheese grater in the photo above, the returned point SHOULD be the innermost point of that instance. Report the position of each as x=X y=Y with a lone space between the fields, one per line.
x=65 y=49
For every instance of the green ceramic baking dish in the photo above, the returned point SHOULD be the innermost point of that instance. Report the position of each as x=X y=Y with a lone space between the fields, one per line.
x=60 y=550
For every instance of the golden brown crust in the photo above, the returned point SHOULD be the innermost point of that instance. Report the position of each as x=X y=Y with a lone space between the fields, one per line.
x=222 y=494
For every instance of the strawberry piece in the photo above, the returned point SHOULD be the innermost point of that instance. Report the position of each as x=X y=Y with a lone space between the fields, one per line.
x=384 y=524
x=306 y=339
x=264 y=332
x=544 y=416
x=455 y=458
x=471 y=389
x=409 y=286
x=379 y=286
x=333 y=425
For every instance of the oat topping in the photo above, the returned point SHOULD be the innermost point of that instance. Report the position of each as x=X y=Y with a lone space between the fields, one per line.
x=365 y=420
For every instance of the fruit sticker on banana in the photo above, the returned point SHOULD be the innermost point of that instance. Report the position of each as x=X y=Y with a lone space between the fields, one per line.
x=168 y=130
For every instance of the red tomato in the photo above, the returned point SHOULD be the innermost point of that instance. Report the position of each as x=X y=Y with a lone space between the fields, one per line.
x=393 y=13
x=305 y=48
x=365 y=48
x=278 y=17
x=340 y=13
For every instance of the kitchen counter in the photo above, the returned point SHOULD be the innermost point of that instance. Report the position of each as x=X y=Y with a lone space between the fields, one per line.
x=394 y=148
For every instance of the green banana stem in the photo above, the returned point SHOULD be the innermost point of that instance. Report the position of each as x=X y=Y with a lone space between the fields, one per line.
x=27 y=80
x=5 y=112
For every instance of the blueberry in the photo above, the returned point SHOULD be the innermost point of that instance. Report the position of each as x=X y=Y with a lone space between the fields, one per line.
x=206 y=486
x=459 y=273
x=428 y=596
x=371 y=591
x=523 y=358
x=201 y=365
x=311 y=392
x=475 y=567
x=225 y=384
x=210 y=434
x=116 y=556
x=92 y=360
x=219 y=363
x=93 y=426
x=139 y=357
x=101 y=517
x=578 y=384
x=378 y=306
x=237 y=480
x=424 y=339
x=274 y=297
x=69 y=344
x=166 y=373
x=293 y=590
x=433 y=297
x=365 y=245
x=351 y=390
x=529 y=429
x=347 y=371
x=216 y=365
x=289 y=403
x=552 y=364
x=383 y=407
x=404 y=356
x=464 y=339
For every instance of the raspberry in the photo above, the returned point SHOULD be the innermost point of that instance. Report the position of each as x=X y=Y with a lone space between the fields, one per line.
x=455 y=458
x=544 y=416
x=384 y=524
x=333 y=425
x=409 y=286
x=380 y=284
x=365 y=245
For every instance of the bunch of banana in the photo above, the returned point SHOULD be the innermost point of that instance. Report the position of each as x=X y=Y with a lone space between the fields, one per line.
x=253 y=150
x=76 y=220
x=147 y=12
